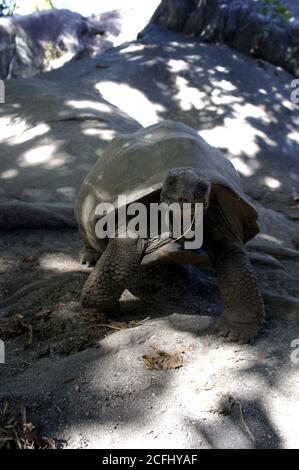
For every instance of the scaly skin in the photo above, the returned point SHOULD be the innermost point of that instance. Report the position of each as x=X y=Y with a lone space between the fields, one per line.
x=110 y=276
x=243 y=307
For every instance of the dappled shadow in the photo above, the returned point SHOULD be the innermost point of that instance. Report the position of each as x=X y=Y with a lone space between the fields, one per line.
x=247 y=425
x=236 y=103
x=102 y=396
x=239 y=105
x=50 y=139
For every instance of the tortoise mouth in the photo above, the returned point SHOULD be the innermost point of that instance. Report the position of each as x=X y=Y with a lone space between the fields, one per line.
x=181 y=201
x=193 y=204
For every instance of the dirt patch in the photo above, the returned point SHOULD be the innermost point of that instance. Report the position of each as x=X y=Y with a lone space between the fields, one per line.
x=162 y=360
x=17 y=433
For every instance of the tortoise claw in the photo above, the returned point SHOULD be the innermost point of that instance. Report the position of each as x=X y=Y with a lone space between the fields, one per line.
x=243 y=333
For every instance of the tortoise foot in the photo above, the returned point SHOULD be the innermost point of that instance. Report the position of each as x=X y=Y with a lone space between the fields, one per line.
x=89 y=257
x=243 y=333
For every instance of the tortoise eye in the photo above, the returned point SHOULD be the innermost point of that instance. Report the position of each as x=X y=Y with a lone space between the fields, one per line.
x=171 y=181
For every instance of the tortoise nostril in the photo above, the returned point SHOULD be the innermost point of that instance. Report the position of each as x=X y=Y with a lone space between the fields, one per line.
x=183 y=199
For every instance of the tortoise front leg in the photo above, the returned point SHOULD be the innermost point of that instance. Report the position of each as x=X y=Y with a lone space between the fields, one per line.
x=243 y=307
x=111 y=274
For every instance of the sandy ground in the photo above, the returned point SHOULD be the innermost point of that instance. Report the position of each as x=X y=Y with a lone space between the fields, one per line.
x=81 y=376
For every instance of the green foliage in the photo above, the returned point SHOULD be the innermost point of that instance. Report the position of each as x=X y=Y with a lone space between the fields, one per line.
x=274 y=10
x=41 y=5
x=50 y=53
x=7 y=7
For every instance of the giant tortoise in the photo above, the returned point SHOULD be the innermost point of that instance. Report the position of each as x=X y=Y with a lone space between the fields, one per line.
x=170 y=162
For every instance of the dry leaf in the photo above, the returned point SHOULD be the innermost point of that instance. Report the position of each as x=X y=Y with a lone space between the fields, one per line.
x=16 y=433
x=14 y=326
x=161 y=360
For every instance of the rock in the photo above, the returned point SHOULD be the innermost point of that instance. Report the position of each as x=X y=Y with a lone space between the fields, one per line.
x=63 y=127
x=238 y=24
x=173 y=14
x=52 y=130
x=275 y=45
x=17 y=55
x=213 y=90
x=204 y=21
x=47 y=39
x=243 y=30
x=293 y=31
x=50 y=137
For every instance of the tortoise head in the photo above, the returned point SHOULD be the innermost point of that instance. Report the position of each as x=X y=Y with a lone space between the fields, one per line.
x=186 y=185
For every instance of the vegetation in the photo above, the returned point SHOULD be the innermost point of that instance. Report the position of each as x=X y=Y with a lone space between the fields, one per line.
x=41 y=5
x=51 y=52
x=274 y=10
x=7 y=7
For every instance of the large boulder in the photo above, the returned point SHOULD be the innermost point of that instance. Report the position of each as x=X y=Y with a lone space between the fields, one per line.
x=48 y=39
x=242 y=25
x=237 y=103
x=44 y=40
x=51 y=135
x=173 y=14
x=92 y=382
